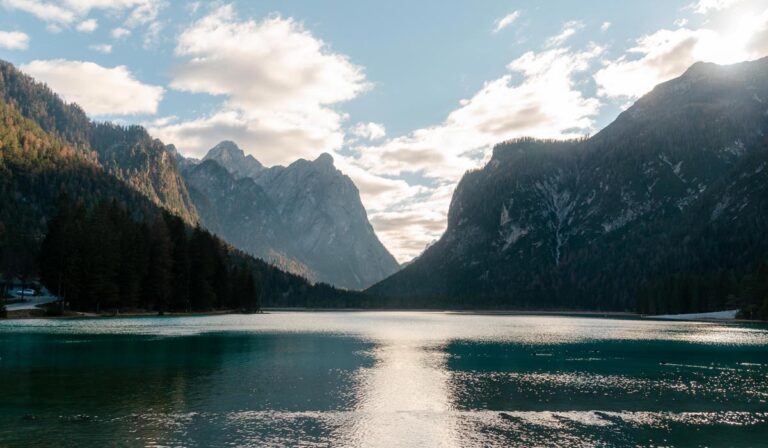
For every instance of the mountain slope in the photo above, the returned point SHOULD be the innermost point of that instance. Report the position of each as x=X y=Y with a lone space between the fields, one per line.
x=240 y=211
x=306 y=217
x=597 y=223
x=129 y=153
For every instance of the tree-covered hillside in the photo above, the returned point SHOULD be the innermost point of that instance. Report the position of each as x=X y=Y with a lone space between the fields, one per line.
x=129 y=153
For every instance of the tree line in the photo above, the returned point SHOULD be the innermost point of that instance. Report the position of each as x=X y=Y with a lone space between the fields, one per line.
x=100 y=259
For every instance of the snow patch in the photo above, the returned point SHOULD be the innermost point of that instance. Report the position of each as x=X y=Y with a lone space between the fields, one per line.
x=737 y=149
x=504 y=218
x=676 y=168
x=720 y=208
x=513 y=234
x=560 y=206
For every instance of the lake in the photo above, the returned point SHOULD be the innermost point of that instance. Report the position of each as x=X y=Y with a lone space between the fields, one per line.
x=381 y=379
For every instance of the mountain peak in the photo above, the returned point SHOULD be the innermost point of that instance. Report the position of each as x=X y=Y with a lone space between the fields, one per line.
x=701 y=68
x=225 y=148
x=234 y=159
x=324 y=159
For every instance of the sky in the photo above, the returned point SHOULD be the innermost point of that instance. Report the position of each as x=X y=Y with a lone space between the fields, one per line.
x=406 y=96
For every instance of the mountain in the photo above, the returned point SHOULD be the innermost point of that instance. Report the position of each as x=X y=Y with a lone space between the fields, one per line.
x=306 y=217
x=662 y=211
x=241 y=212
x=128 y=153
x=231 y=157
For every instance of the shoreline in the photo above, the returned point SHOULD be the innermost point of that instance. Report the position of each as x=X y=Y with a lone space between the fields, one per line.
x=40 y=313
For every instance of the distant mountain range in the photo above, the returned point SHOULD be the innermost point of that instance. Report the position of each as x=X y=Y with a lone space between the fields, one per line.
x=306 y=218
x=662 y=211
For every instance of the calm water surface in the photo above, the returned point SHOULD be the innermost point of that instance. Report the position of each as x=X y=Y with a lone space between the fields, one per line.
x=381 y=380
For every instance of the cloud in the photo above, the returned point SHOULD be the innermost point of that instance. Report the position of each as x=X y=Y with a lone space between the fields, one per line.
x=707 y=6
x=66 y=12
x=545 y=104
x=101 y=48
x=87 y=26
x=47 y=12
x=278 y=84
x=605 y=26
x=369 y=131
x=506 y=21
x=14 y=40
x=120 y=33
x=271 y=137
x=569 y=29
x=100 y=91
x=666 y=54
x=63 y=14
x=274 y=63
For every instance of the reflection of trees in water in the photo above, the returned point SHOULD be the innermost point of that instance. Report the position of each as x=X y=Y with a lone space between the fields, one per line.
x=171 y=388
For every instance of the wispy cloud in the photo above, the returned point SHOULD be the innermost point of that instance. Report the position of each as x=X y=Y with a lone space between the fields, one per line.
x=369 y=131
x=87 y=26
x=505 y=21
x=101 y=48
x=569 y=29
x=707 y=6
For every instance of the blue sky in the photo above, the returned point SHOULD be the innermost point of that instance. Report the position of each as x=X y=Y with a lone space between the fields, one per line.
x=405 y=95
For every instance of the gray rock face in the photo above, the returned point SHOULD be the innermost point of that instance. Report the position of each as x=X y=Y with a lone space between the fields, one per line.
x=231 y=157
x=306 y=217
x=585 y=224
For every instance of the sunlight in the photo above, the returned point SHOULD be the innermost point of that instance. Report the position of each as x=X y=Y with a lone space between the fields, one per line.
x=730 y=45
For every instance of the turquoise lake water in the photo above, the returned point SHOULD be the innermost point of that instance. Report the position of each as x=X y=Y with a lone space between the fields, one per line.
x=381 y=379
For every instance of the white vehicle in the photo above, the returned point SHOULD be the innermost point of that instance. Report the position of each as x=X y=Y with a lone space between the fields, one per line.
x=24 y=292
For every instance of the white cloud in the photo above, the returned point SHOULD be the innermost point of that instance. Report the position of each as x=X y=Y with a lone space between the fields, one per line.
x=707 y=6
x=120 y=33
x=62 y=14
x=605 y=26
x=102 y=48
x=681 y=22
x=369 y=131
x=87 y=26
x=277 y=81
x=273 y=63
x=14 y=40
x=100 y=91
x=506 y=21
x=666 y=54
x=275 y=138
x=569 y=29
x=48 y=12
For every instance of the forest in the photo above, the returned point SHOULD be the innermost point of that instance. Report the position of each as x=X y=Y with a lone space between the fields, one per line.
x=100 y=259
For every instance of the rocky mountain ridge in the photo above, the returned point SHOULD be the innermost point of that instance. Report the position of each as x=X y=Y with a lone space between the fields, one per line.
x=596 y=223
x=306 y=217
